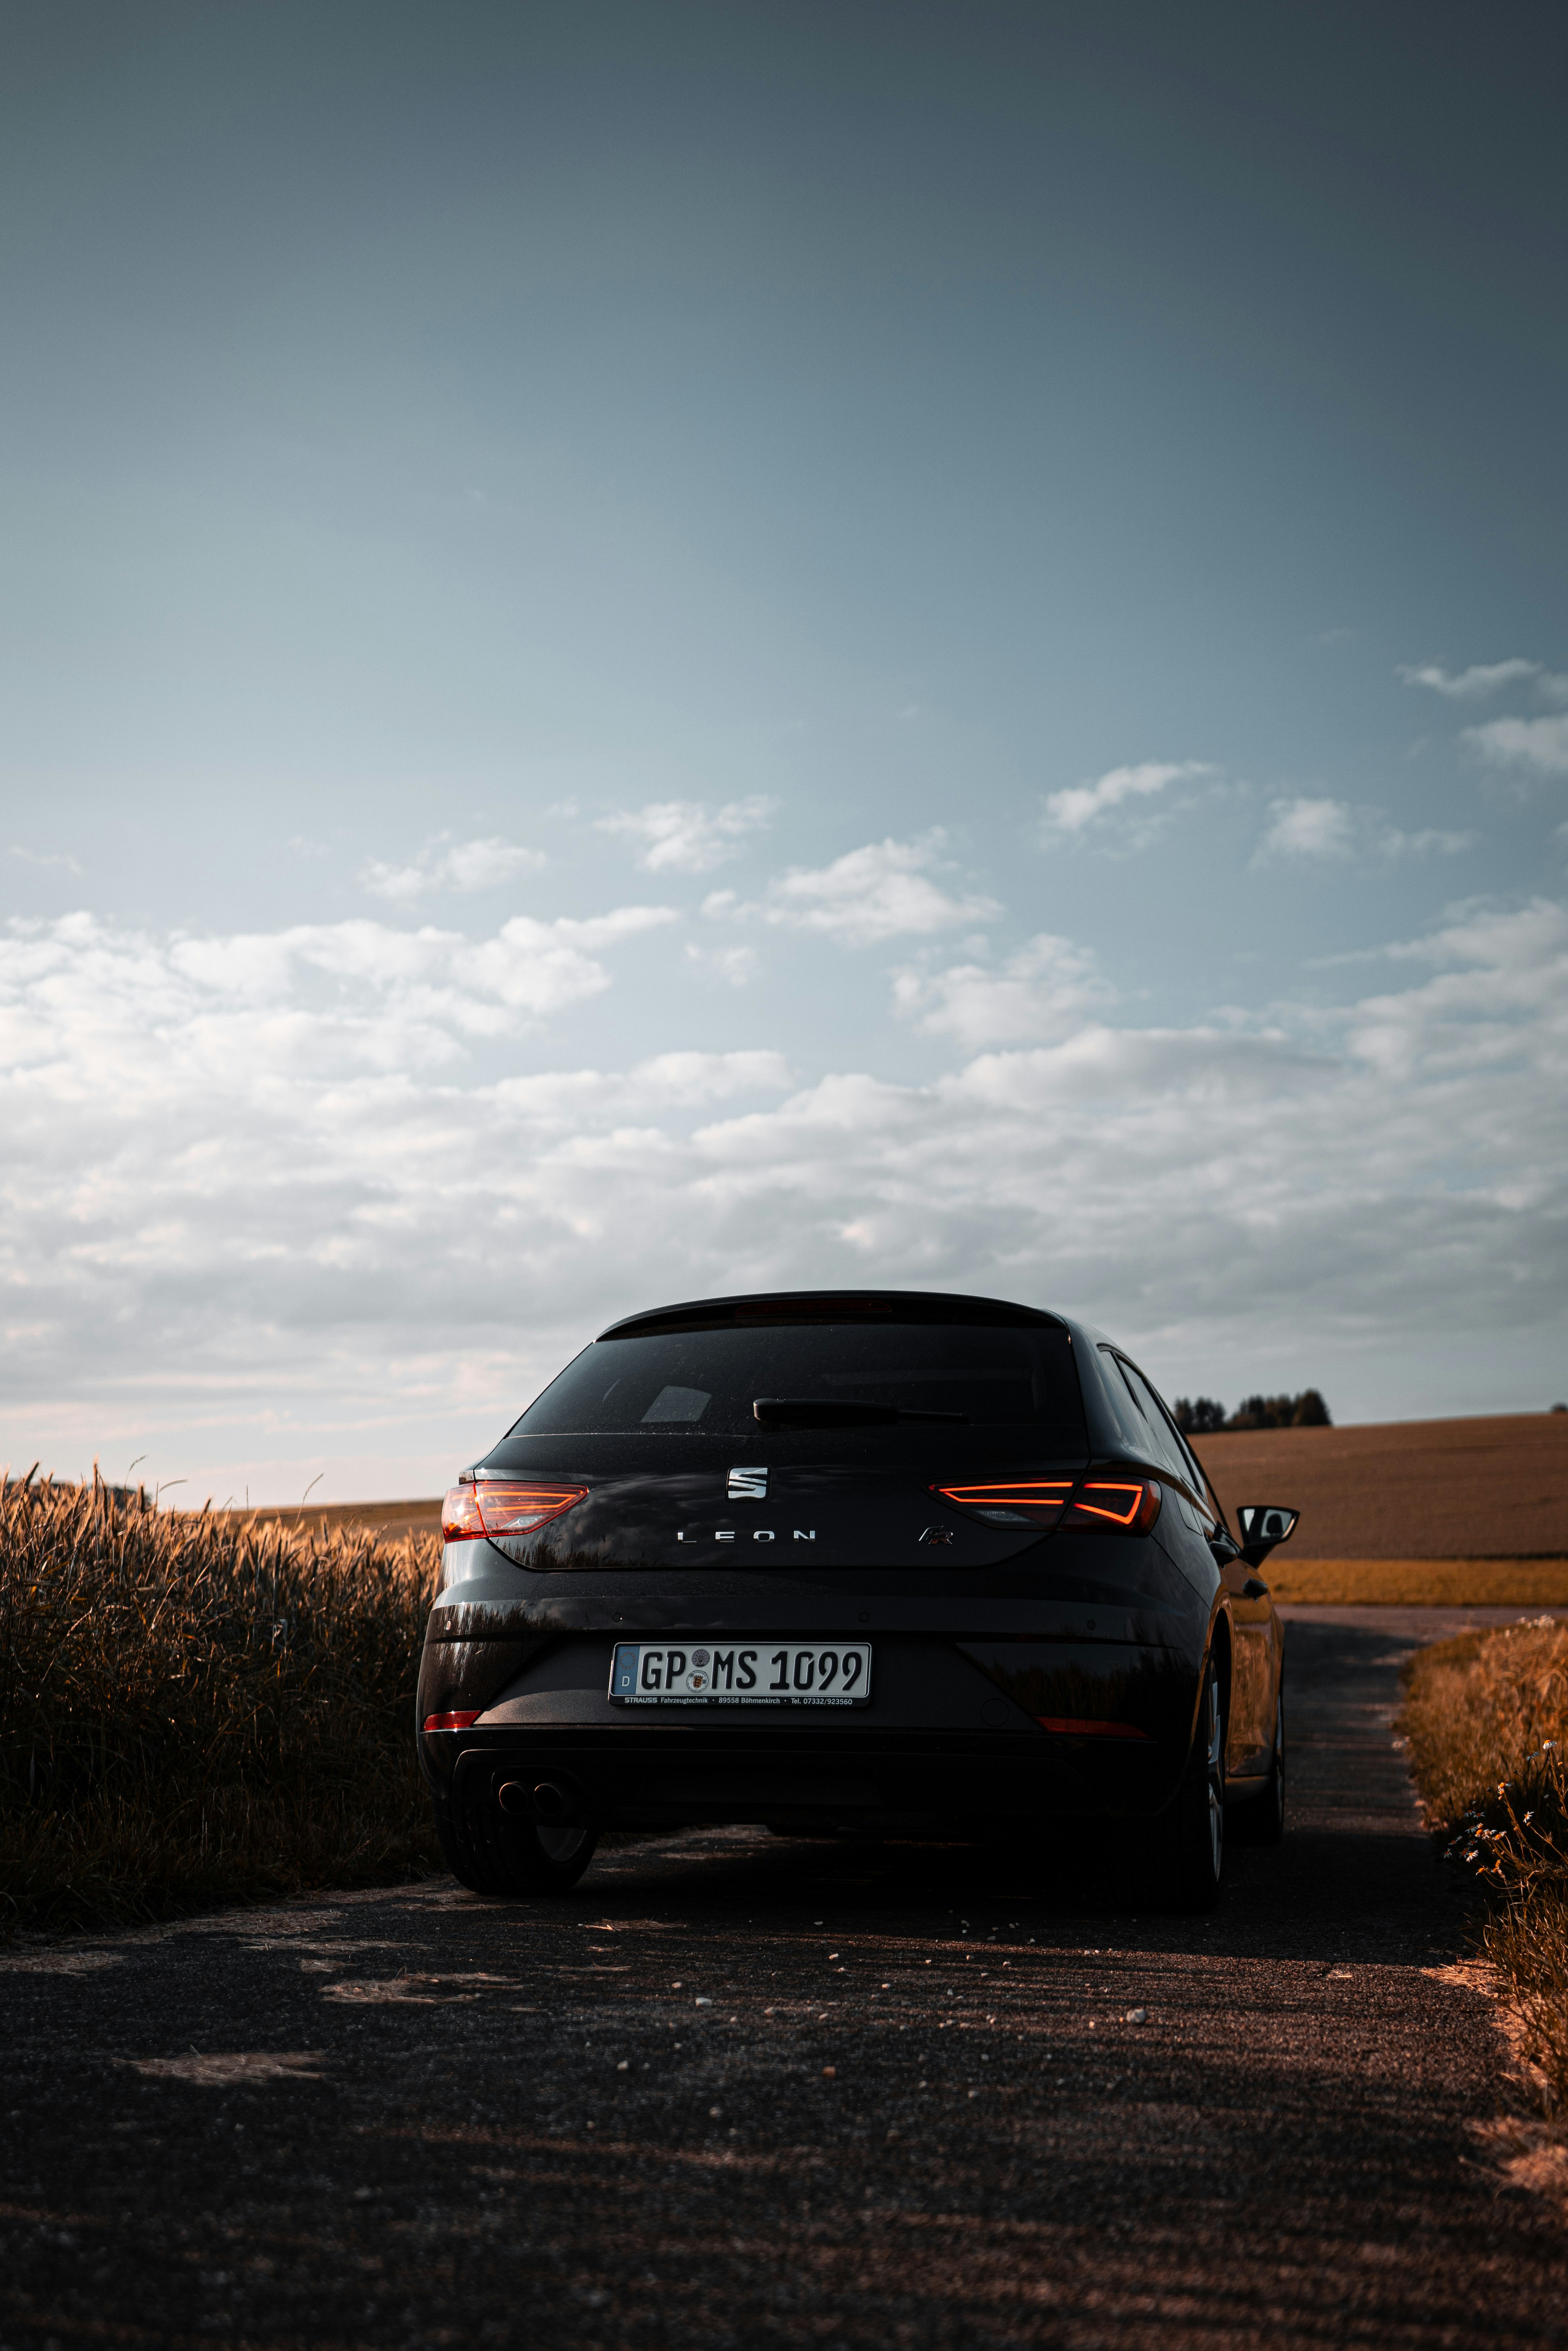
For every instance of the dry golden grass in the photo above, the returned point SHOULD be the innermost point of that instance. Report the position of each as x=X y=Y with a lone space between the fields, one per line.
x=1419 y=1583
x=387 y=1520
x=195 y=1707
x=1487 y=1719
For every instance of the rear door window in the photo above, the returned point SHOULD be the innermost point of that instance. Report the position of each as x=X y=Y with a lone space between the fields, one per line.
x=1131 y=1417
x=1192 y=1468
x=1169 y=1447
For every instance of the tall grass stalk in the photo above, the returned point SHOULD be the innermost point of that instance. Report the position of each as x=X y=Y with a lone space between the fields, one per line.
x=1487 y=1719
x=196 y=1707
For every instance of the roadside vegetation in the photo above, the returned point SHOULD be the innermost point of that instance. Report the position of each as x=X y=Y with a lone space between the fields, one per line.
x=1486 y=1716
x=195 y=1707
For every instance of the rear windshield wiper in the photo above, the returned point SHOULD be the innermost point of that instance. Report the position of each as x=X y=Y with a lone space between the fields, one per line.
x=826 y=1411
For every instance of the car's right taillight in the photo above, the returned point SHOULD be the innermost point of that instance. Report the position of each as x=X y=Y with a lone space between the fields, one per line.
x=1011 y=1502
x=1121 y=1506
x=1126 y=1505
x=505 y=1505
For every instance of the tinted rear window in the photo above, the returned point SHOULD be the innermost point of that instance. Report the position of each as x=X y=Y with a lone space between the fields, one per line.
x=1016 y=1381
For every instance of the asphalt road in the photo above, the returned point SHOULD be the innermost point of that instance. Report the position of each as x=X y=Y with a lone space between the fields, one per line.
x=739 y=2090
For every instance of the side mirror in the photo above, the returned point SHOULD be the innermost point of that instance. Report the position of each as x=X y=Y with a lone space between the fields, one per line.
x=1263 y=1526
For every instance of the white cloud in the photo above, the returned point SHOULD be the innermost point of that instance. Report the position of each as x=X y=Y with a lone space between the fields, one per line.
x=1538 y=745
x=688 y=836
x=1333 y=830
x=302 y=1001
x=1500 y=965
x=1308 y=828
x=1070 y=812
x=734 y=967
x=255 y=1202
x=1479 y=931
x=1038 y=992
x=1472 y=684
x=1429 y=842
x=59 y=858
x=881 y=891
x=565 y=1101
x=445 y=864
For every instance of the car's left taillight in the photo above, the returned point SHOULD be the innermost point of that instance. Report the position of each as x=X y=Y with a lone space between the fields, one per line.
x=505 y=1505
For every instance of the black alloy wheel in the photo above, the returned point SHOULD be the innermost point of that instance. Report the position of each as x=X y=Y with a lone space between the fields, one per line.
x=1261 y=1819
x=1177 y=1861
x=492 y=1854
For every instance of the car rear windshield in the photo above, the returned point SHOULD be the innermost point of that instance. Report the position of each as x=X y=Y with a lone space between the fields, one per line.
x=1015 y=1383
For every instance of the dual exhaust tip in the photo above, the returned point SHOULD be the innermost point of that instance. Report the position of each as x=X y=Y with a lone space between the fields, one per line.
x=547 y=1802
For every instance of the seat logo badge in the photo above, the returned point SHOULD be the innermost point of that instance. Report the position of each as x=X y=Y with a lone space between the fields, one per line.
x=747 y=1486
x=937 y=1535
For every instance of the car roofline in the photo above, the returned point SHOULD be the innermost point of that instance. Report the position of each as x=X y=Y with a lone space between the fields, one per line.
x=712 y=1314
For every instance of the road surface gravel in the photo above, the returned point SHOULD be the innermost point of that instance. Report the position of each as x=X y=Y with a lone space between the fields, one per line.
x=743 y=2090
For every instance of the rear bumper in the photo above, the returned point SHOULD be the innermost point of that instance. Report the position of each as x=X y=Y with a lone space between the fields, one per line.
x=975 y=1685
x=877 y=1781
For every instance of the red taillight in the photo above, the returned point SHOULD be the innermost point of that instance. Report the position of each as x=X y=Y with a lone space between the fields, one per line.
x=1129 y=1505
x=453 y=1721
x=460 y=1517
x=504 y=1506
x=1012 y=1502
x=1071 y=1726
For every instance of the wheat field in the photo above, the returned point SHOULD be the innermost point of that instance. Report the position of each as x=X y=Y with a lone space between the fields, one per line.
x=195 y=1707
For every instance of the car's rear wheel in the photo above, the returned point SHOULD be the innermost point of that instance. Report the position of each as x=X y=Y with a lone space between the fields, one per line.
x=491 y=1853
x=1261 y=1819
x=1179 y=1860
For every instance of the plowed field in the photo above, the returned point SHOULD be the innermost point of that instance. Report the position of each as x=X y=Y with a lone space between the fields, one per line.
x=1407 y=1489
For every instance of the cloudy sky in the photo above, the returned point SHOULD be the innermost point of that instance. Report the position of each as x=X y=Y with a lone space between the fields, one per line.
x=656 y=650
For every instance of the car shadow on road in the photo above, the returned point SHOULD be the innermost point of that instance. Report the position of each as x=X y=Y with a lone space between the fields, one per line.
x=1323 y=1895
x=1358 y=1876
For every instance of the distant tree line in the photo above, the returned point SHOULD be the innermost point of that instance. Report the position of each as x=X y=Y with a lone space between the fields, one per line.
x=1201 y=1417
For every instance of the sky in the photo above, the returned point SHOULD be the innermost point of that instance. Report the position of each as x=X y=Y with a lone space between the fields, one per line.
x=649 y=652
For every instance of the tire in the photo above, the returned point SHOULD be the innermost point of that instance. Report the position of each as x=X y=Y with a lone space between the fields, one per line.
x=1178 y=1861
x=491 y=1854
x=1261 y=1820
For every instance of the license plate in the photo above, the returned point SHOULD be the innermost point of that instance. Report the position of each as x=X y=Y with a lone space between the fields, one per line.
x=783 y=1673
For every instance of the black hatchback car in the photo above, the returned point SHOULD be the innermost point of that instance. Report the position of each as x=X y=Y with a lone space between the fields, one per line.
x=885 y=1561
